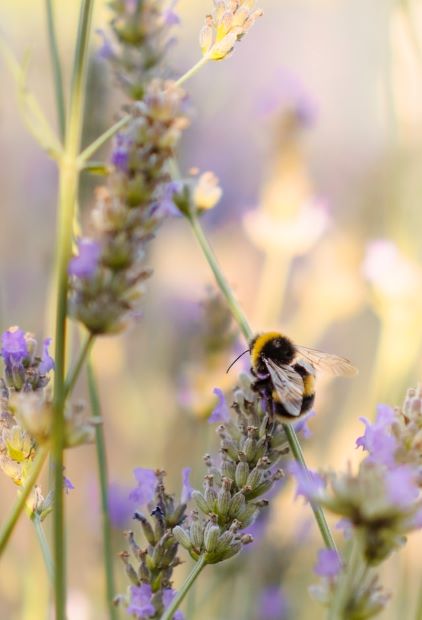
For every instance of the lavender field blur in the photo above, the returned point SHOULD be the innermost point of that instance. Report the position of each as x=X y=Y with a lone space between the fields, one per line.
x=313 y=127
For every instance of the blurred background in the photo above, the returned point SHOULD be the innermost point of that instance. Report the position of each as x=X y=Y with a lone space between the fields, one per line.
x=314 y=127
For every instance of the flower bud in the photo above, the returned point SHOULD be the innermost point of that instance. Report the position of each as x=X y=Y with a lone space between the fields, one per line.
x=211 y=537
x=242 y=473
x=200 y=502
x=182 y=537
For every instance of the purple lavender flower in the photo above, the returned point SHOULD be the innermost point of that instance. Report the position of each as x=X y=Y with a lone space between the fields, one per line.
x=164 y=205
x=170 y=16
x=328 y=563
x=140 y=601
x=272 y=604
x=85 y=264
x=67 y=485
x=345 y=526
x=401 y=485
x=47 y=362
x=309 y=483
x=186 y=488
x=377 y=439
x=120 y=153
x=302 y=425
x=106 y=51
x=147 y=482
x=14 y=347
x=168 y=596
x=120 y=507
x=221 y=412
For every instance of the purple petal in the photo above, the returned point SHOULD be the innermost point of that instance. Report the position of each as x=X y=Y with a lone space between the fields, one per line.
x=272 y=604
x=14 y=347
x=302 y=425
x=221 y=413
x=86 y=263
x=106 y=50
x=67 y=485
x=120 y=507
x=47 y=362
x=140 y=601
x=145 y=491
x=309 y=483
x=186 y=488
x=328 y=563
x=401 y=485
x=378 y=439
x=345 y=526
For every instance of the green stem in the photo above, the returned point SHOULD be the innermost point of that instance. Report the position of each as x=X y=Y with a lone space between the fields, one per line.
x=57 y=69
x=45 y=549
x=68 y=189
x=345 y=586
x=319 y=515
x=247 y=332
x=233 y=304
x=185 y=77
x=174 y=605
x=94 y=146
x=36 y=468
x=74 y=373
x=103 y=478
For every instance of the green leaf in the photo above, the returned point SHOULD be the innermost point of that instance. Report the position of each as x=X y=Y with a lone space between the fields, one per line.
x=30 y=109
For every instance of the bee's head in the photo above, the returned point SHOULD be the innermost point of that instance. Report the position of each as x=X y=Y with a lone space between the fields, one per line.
x=274 y=346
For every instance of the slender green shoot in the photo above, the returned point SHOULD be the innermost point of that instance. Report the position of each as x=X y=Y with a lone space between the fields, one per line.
x=57 y=69
x=190 y=580
x=186 y=76
x=75 y=372
x=45 y=549
x=94 y=146
x=24 y=493
x=103 y=478
x=68 y=190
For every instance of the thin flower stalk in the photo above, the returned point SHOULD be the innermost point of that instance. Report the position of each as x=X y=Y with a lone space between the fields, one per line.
x=68 y=190
x=57 y=69
x=103 y=479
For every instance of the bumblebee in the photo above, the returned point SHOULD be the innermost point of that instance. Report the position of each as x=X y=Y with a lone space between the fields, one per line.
x=285 y=372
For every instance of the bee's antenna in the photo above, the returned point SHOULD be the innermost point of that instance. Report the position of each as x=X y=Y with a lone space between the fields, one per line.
x=237 y=358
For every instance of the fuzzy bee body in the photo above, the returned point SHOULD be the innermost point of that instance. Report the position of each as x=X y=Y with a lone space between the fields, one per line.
x=285 y=373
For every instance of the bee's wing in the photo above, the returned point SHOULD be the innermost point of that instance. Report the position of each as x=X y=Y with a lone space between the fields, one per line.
x=334 y=364
x=289 y=386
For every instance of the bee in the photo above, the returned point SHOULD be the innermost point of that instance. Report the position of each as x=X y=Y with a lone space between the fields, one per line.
x=285 y=372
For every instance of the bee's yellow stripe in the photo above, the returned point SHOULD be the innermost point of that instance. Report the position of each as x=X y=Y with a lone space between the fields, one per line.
x=309 y=385
x=259 y=343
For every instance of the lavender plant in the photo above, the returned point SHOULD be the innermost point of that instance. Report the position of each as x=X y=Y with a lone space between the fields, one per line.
x=100 y=284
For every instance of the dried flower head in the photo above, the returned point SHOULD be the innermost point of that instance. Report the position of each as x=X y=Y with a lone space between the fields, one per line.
x=228 y=23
